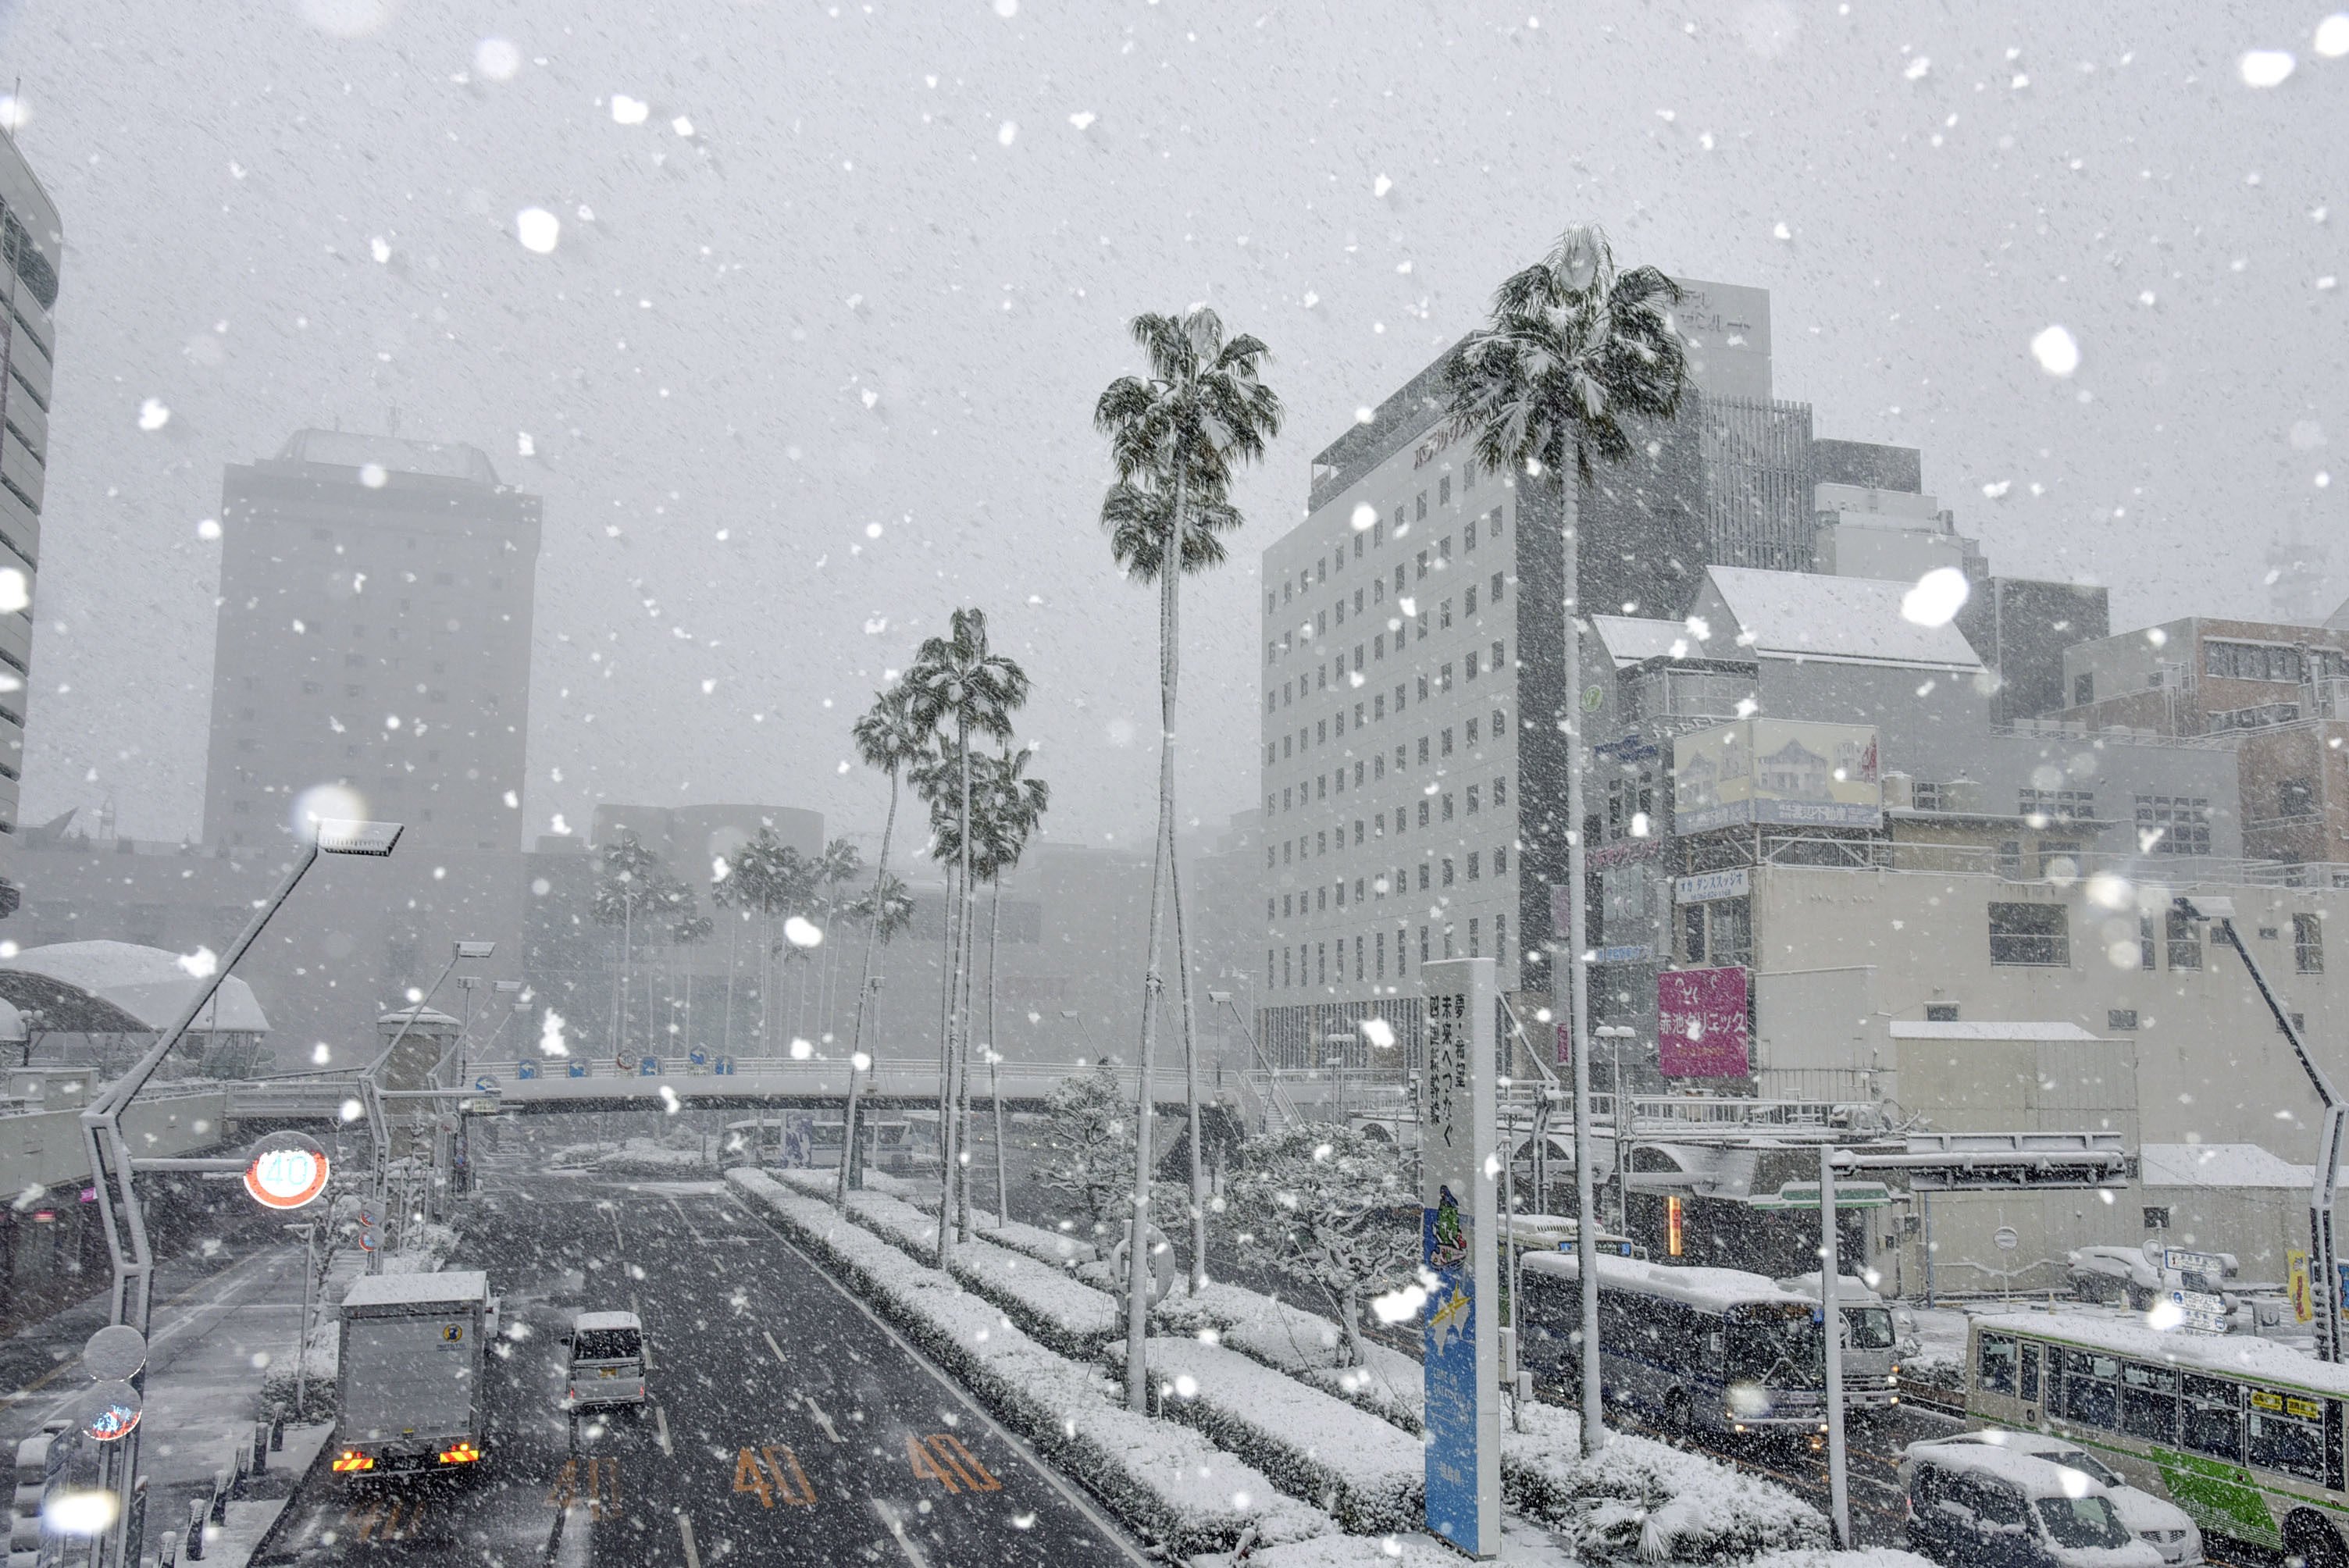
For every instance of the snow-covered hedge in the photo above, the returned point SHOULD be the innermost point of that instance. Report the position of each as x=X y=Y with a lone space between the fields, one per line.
x=1362 y=1469
x=1163 y=1479
x=1071 y=1319
x=1304 y=1344
x=1639 y=1498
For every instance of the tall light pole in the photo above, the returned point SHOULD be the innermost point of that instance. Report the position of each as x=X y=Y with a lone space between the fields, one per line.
x=111 y=1164
x=1079 y=1019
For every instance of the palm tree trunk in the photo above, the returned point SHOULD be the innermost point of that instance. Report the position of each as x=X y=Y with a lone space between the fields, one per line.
x=955 y=1026
x=995 y=1054
x=1198 y=1280
x=1137 y=1247
x=627 y=961
x=864 y=986
x=1570 y=946
x=733 y=967
x=963 y=1139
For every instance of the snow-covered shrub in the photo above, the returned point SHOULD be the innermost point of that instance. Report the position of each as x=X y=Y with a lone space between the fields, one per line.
x=1369 y=1475
x=1163 y=1479
x=1087 y=1156
x=1331 y=1207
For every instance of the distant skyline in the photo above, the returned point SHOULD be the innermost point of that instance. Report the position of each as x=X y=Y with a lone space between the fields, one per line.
x=812 y=356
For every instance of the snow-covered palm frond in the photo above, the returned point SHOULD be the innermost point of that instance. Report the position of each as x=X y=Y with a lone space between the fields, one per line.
x=1136 y=519
x=1573 y=354
x=957 y=680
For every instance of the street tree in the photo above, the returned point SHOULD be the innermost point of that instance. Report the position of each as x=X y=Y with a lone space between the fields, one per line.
x=888 y=738
x=628 y=889
x=959 y=684
x=1574 y=358
x=1086 y=1158
x=1179 y=434
x=1331 y=1207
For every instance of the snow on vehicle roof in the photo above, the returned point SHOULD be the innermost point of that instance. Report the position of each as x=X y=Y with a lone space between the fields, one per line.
x=588 y=1321
x=2234 y=1354
x=417 y=1289
x=1714 y=1289
x=2036 y=1476
x=1850 y=1290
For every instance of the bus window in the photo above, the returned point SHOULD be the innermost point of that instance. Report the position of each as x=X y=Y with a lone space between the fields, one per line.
x=2030 y=1381
x=2149 y=1402
x=1995 y=1368
x=2091 y=1394
x=2287 y=1434
x=2212 y=1419
x=1779 y=1347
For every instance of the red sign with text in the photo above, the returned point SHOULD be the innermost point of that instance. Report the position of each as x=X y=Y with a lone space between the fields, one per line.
x=1701 y=1023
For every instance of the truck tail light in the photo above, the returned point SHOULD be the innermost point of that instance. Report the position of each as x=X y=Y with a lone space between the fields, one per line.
x=351 y=1460
x=464 y=1453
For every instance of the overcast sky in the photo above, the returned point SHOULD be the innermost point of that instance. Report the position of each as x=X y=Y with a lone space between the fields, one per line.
x=813 y=357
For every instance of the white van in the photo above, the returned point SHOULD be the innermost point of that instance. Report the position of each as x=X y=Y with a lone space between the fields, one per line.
x=607 y=1360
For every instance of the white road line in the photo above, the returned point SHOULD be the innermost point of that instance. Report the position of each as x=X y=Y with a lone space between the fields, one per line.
x=660 y=1432
x=821 y=1419
x=684 y=1534
x=897 y=1533
x=786 y=1360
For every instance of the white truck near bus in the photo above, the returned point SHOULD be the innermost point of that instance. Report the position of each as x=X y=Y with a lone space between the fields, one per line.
x=413 y=1355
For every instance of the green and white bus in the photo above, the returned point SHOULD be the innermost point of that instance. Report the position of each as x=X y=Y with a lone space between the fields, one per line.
x=2243 y=1433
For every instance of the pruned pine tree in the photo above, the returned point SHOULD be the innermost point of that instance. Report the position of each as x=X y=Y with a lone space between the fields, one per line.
x=1332 y=1208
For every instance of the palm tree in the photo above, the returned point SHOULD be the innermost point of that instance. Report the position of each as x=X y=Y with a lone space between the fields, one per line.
x=959 y=680
x=840 y=864
x=1572 y=350
x=1016 y=806
x=685 y=927
x=769 y=879
x=886 y=738
x=628 y=886
x=1179 y=435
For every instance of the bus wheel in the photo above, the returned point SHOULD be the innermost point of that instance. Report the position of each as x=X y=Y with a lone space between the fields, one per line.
x=2309 y=1536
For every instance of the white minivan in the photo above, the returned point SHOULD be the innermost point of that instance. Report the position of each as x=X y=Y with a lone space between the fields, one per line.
x=607 y=1360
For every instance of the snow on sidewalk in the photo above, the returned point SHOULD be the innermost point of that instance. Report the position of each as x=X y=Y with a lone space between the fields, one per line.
x=1370 y=1474
x=1163 y=1478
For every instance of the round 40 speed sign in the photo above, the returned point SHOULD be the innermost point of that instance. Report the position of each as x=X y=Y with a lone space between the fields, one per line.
x=285 y=1171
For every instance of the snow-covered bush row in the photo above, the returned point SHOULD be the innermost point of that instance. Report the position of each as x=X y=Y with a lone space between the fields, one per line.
x=1640 y=1499
x=637 y=1156
x=1358 y=1467
x=1057 y=1247
x=1304 y=1344
x=1161 y=1478
x=1071 y=1318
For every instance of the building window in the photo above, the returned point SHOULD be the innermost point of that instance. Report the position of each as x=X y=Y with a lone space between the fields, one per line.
x=2251 y=662
x=1469 y=600
x=1379 y=955
x=2120 y=1020
x=2174 y=824
x=1473 y=873
x=2308 y=943
x=1500 y=935
x=1498 y=652
x=1447 y=740
x=1500 y=784
x=1496 y=588
x=1422 y=876
x=1471 y=664
x=1447 y=806
x=1941 y=1012
x=2296 y=798
x=1423 y=948
x=2057 y=805
x=2030 y=934
x=2184 y=940
x=2144 y=943
x=2084 y=689
x=1475 y=947
x=1472 y=799
x=1929 y=797
x=2156 y=1218
x=1500 y=860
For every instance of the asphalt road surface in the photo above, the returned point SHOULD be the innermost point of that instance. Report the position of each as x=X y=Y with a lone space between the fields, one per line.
x=788 y=1426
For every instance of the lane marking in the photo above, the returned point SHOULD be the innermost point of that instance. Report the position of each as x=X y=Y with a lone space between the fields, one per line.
x=767 y=1335
x=660 y=1432
x=684 y=1534
x=821 y=1419
x=1076 y=1498
x=896 y=1528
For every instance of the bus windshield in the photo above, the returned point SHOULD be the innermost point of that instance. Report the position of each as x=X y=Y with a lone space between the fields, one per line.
x=1778 y=1347
x=1871 y=1327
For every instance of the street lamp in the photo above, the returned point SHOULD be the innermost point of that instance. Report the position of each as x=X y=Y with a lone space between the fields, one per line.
x=1079 y=1019
x=111 y=1164
x=1617 y=1034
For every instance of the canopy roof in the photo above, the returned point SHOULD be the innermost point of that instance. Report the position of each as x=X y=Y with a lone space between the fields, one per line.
x=120 y=988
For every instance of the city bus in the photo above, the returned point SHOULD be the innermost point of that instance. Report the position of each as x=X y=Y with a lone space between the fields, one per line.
x=1696 y=1348
x=2243 y=1433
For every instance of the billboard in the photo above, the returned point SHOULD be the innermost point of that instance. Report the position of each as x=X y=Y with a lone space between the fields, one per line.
x=1701 y=1023
x=1776 y=771
x=1728 y=330
x=1459 y=1225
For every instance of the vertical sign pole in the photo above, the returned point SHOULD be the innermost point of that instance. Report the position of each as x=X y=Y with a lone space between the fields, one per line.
x=1459 y=1224
x=1831 y=1327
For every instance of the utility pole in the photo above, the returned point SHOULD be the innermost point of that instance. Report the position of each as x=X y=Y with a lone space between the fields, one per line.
x=1831 y=1325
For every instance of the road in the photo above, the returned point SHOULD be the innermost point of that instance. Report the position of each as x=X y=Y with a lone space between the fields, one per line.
x=788 y=1426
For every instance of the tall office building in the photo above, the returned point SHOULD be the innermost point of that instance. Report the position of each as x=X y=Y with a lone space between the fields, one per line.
x=373 y=635
x=32 y=243
x=1413 y=759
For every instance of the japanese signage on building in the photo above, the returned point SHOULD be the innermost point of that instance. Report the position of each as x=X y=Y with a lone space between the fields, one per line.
x=1701 y=1023
x=1735 y=882
x=1775 y=771
x=1458 y=1229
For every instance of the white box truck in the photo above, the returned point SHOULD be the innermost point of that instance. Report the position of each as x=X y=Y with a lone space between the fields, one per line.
x=413 y=1394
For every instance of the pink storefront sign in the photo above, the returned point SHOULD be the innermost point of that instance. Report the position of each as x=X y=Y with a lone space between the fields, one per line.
x=1700 y=1020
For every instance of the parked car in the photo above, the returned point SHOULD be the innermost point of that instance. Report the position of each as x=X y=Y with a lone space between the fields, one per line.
x=2160 y=1524
x=1983 y=1505
x=607 y=1361
x=2134 y=1277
